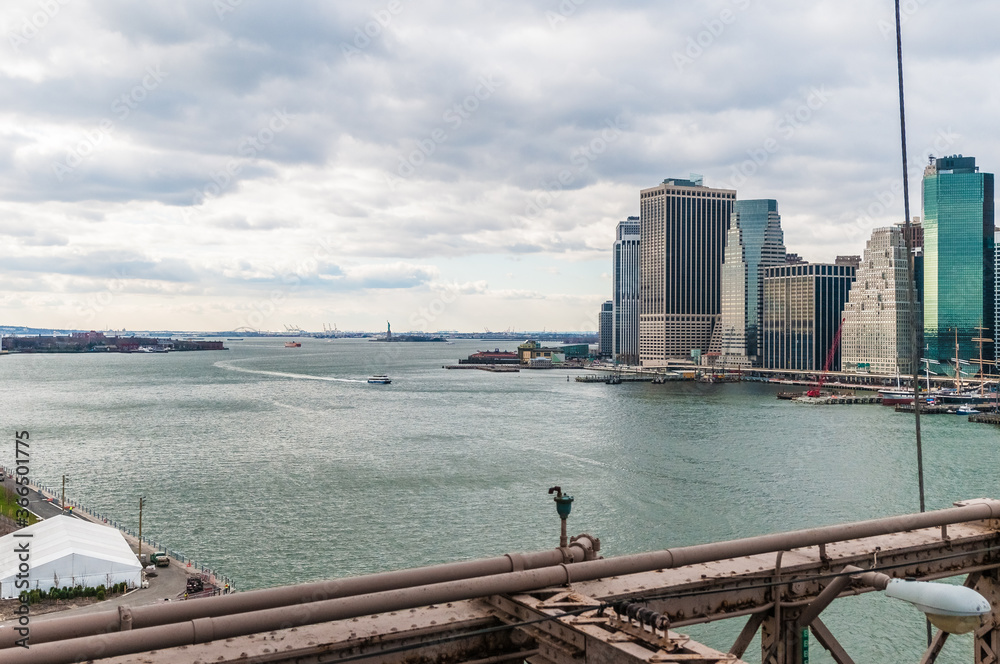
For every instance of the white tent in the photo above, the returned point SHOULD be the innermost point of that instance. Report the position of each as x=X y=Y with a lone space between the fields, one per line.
x=64 y=552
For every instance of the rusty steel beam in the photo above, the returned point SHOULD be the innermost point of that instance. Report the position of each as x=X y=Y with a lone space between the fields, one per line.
x=737 y=587
x=688 y=585
x=987 y=638
x=52 y=628
x=828 y=641
x=746 y=634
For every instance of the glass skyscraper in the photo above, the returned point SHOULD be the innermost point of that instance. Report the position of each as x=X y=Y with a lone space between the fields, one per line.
x=802 y=315
x=625 y=347
x=958 y=257
x=754 y=241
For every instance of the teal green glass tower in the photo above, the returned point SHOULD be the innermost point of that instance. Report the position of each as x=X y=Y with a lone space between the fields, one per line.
x=958 y=258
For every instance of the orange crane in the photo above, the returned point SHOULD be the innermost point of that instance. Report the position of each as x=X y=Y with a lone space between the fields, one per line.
x=816 y=391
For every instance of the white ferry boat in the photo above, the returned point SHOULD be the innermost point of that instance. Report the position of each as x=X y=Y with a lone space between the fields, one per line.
x=379 y=379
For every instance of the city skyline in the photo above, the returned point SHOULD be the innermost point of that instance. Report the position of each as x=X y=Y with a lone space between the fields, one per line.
x=210 y=166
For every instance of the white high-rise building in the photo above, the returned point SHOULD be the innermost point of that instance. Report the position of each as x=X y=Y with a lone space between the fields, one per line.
x=605 y=329
x=625 y=347
x=877 y=319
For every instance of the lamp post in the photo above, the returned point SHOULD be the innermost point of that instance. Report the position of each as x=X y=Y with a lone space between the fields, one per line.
x=63 y=504
x=952 y=609
x=141 y=499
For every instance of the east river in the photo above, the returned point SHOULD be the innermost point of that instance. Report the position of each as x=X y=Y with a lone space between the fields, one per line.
x=279 y=465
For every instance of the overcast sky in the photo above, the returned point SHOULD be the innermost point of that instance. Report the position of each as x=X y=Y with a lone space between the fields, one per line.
x=225 y=163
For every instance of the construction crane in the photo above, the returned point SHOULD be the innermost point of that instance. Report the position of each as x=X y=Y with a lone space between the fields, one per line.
x=816 y=391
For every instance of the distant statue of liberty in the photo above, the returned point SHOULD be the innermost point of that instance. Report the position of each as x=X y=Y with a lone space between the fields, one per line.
x=388 y=330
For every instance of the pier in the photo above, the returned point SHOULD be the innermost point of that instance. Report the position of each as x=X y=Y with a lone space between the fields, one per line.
x=928 y=409
x=985 y=418
x=834 y=399
x=611 y=378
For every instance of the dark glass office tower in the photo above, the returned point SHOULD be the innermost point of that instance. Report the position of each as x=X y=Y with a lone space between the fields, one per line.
x=683 y=228
x=958 y=258
x=803 y=305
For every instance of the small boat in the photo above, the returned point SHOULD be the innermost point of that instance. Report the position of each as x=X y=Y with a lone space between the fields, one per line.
x=967 y=410
x=293 y=344
x=379 y=379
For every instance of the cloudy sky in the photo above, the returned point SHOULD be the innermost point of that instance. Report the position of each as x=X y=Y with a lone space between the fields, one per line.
x=225 y=163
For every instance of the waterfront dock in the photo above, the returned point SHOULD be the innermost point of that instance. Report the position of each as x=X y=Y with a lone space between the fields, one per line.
x=497 y=368
x=625 y=378
x=984 y=418
x=926 y=409
x=838 y=399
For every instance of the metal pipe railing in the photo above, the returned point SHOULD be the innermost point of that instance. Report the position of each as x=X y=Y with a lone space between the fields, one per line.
x=229 y=626
x=53 y=628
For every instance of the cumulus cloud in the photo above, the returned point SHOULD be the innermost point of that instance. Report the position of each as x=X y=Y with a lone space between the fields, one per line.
x=337 y=150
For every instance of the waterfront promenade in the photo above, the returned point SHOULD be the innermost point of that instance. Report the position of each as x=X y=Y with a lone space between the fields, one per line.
x=167 y=582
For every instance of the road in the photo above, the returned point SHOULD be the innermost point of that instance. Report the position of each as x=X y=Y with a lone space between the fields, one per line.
x=167 y=583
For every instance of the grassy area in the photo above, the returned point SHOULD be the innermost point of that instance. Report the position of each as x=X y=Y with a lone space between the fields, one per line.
x=8 y=503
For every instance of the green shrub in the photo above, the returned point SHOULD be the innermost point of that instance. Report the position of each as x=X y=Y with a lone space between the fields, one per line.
x=100 y=594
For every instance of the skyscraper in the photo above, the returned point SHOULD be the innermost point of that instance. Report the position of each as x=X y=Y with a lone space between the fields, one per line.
x=878 y=316
x=683 y=231
x=802 y=312
x=958 y=257
x=625 y=340
x=605 y=331
x=754 y=242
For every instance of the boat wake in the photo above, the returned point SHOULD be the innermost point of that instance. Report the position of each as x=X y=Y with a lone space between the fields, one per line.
x=283 y=374
x=592 y=462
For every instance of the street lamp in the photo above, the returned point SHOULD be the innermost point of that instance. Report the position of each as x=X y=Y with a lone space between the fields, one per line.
x=952 y=609
x=63 y=505
x=141 y=499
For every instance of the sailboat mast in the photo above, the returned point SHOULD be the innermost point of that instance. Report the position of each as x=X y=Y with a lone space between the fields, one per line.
x=958 y=366
x=982 y=363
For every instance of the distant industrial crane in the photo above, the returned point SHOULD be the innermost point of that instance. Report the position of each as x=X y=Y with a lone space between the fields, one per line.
x=816 y=391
